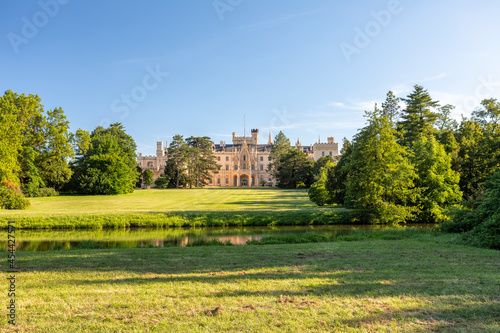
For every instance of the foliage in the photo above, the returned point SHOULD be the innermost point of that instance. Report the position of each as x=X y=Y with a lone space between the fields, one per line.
x=11 y=196
x=336 y=182
x=176 y=163
x=281 y=146
x=418 y=117
x=318 y=192
x=391 y=108
x=35 y=145
x=109 y=165
x=294 y=168
x=380 y=174
x=436 y=180
x=481 y=225
x=147 y=177
x=200 y=161
x=42 y=192
x=162 y=181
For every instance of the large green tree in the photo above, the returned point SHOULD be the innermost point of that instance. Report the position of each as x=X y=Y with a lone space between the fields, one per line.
x=177 y=161
x=294 y=168
x=108 y=166
x=380 y=181
x=436 y=180
x=201 y=161
x=36 y=145
x=281 y=146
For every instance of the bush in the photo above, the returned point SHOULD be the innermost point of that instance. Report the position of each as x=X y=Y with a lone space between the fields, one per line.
x=481 y=226
x=318 y=193
x=40 y=192
x=486 y=234
x=11 y=196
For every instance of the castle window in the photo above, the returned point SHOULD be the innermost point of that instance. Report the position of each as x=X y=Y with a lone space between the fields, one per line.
x=322 y=153
x=235 y=167
x=244 y=157
x=262 y=167
x=330 y=153
x=218 y=181
x=253 y=167
x=227 y=158
x=261 y=158
x=227 y=166
x=227 y=180
x=218 y=158
x=244 y=166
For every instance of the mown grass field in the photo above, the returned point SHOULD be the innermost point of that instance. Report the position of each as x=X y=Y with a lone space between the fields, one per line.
x=175 y=207
x=409 y=285
x=170 y=200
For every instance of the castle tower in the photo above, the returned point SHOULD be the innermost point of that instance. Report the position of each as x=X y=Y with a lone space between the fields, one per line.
x=159 y=149
x=270 y=141
x=255 y=136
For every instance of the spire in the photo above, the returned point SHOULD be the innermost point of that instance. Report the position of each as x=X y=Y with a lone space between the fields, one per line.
x=270 y=142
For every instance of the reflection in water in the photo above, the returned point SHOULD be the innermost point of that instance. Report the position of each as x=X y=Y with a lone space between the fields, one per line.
x=28 y=240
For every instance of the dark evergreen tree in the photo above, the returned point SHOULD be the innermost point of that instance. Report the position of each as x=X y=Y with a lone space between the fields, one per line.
x=294 y=168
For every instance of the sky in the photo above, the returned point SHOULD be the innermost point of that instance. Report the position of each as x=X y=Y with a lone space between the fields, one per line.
x=213 y=67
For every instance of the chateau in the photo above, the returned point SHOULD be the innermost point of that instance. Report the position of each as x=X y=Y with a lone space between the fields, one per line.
x=242 y=163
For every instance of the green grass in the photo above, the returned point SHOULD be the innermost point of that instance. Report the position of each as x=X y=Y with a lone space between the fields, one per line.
x=173 y=207
x=405 y=285
x=170 y=200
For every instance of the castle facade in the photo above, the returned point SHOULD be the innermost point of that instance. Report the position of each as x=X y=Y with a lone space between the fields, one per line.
x=242 y=163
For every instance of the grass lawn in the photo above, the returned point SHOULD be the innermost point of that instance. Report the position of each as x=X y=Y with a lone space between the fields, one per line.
x=175 y=207
x=410 y=285
x=169 y=200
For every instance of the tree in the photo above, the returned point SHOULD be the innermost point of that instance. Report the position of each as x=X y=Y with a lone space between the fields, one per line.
x=481 y=226
x=318 y=192
x=418 y=117
x=475 y=161
x=336 y=180
x=436 y=180
x=35 y=147
x=147 y=177
x=281 y=146
x=108 y=166
x=322 y=165
x=54 y=156
x=177 y=160
x=10 y=138
x=380 y=181
x=294 y=168
x=201 y=161
x=390 y=107
x=162 y=182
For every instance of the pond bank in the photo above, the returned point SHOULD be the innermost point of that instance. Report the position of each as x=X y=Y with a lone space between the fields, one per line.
x=181 y=219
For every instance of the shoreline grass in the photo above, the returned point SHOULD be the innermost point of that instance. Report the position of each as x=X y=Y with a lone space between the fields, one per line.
x=405 y=285
x=180 y=219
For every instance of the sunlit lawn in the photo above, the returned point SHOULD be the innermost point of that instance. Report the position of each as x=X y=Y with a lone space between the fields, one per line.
x=361 y=286
x=141 y=201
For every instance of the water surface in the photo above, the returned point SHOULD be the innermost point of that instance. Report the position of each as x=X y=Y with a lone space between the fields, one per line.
x=40 y=240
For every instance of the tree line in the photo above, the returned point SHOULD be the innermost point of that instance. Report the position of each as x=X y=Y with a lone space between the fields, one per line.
x=39 y=156
x=416 y=164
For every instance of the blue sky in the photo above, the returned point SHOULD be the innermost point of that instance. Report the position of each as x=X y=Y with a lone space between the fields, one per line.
x=308 y=68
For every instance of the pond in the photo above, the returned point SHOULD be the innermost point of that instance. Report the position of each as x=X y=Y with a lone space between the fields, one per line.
x=39 y=240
